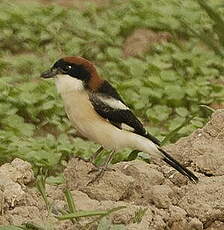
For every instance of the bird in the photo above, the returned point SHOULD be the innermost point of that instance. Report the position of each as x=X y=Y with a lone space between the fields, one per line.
x=98 y=112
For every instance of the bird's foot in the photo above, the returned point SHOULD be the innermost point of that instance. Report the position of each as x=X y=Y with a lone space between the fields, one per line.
x=101 y=170
x=99 y=173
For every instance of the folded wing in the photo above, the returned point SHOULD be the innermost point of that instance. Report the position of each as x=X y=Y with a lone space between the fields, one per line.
x=108 y=104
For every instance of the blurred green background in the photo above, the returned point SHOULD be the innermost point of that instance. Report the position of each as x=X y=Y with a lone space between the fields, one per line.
x=164 y=57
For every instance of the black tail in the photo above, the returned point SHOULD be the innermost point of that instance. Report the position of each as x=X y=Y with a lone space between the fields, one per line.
x=152 y=138
x=175 y=164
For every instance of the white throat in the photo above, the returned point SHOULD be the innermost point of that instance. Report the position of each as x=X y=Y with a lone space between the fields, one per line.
x=66 y=84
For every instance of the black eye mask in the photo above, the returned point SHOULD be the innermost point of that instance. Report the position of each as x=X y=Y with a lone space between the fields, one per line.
x=74 y=70
x=63 y=67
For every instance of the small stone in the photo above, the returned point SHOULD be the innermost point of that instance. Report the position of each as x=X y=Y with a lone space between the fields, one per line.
x=160 y=196
x=195 y=224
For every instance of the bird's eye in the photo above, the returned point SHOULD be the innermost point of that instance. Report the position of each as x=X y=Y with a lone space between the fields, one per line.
x=66 y=68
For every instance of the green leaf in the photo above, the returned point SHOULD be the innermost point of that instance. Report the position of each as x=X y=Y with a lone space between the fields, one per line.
x=191 y=91
x=174 y=132
x=183 y=112
x=133 y=155
x=55 y=180
x=136 y=67
x=197 y=123
x=114 y=52
x=174 y=92
x=169 y=75
x=159 y=112
x=48 y=105
x=163 y=85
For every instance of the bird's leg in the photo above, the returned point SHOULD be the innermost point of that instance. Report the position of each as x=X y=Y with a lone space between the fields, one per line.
x=96 y=154
x=93 y=157
x=108 y=160
x=102 y=168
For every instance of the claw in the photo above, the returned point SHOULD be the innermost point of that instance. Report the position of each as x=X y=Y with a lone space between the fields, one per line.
x=101 y=170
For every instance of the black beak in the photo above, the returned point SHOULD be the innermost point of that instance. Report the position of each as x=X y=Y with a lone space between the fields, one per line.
x=50 y=73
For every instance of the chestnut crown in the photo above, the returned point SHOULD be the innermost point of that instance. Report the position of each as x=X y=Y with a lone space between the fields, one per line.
x=76 y=67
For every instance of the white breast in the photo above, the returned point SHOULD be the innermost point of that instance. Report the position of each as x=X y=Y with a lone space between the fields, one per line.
x=66 y=83
x=81 y=112
x=91 y=125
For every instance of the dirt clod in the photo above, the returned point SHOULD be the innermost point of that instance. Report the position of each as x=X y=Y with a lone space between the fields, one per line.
x=142 y=40
x=155 y=196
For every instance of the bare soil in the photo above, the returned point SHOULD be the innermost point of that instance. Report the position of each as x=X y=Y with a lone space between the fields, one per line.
x=142 y=40
x=170 y=201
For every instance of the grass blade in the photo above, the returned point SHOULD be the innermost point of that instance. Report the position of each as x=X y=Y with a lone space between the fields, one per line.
x=81 y=214
x=205 y=38
x=89 y=213
x=70 y=202
x=206 y=109
x=214 y=15
x=40 y=183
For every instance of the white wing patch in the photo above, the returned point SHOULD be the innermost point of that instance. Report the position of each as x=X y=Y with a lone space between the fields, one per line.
x=127 y=127
x=113 y=103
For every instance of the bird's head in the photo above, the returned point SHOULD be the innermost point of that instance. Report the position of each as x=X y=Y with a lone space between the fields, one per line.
x=77 y=68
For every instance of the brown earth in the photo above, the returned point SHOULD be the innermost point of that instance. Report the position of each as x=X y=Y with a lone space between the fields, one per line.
x=170 y=201
x=142 y=40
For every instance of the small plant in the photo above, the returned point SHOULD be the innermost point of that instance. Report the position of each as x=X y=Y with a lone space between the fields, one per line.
x=72 y=213
x=139 y=215
x=40 y=183
x=89 y=213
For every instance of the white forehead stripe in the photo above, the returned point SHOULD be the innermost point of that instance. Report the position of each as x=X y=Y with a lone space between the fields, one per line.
x=66 y=83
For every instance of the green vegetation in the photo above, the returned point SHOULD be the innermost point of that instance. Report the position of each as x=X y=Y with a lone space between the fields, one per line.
x=165 y=86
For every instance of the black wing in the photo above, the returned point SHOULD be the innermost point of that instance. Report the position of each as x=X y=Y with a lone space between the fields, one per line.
x=108 y=90
x=108 y=104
